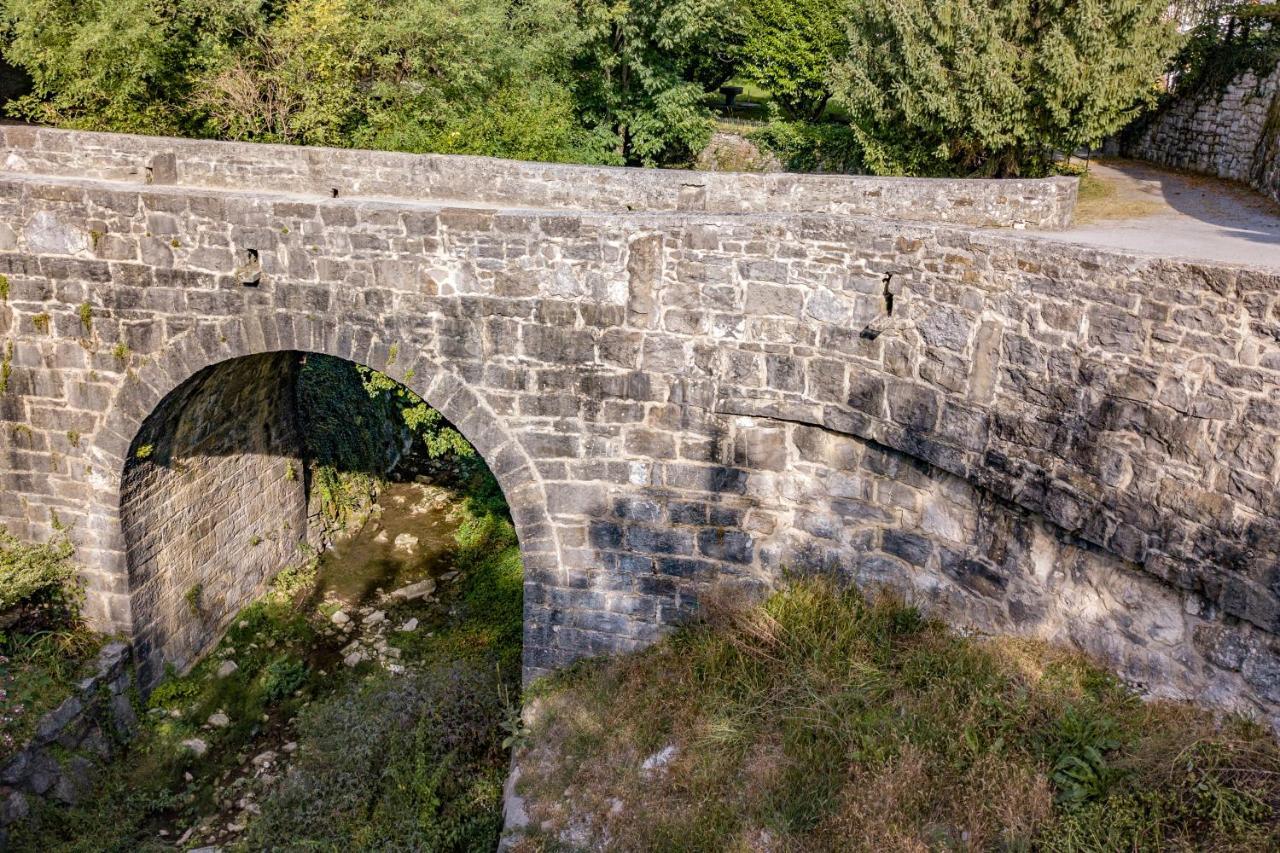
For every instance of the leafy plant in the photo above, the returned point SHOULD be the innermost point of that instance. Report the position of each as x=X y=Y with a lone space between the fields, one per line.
x=790 y=49
x=194 y=597
x=282 y=677
x=35 y=573
x=812 y=147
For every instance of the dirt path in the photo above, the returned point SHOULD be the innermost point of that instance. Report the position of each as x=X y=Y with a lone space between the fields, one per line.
x=1127 y=204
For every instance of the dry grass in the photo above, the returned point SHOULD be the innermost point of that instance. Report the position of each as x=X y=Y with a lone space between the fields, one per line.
x=823 y=721
x=1101 y=199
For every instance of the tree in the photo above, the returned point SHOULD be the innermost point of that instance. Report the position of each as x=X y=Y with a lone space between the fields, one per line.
x=460 y=76
x=992 y=87
x=489 y=77
x=633 y=74
x=790 y=48
x=116 y=64
x=296 y=79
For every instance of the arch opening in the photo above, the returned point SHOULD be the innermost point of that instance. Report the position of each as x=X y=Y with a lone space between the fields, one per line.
x=288 y=459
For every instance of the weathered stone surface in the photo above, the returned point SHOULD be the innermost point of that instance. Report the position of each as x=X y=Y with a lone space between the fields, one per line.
x=1230 y=132
x=501 y=183
x=1028 y=436
x=60 y=761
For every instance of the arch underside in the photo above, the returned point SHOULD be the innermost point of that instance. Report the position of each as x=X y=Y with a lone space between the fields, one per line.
x=212 y=500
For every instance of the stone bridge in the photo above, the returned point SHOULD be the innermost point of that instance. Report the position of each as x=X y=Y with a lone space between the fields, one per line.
x=680 y=380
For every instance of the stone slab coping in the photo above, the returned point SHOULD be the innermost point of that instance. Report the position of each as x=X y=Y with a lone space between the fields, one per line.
x=1015 y=203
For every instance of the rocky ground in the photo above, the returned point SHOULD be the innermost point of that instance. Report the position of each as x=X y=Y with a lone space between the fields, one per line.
x=362 y=635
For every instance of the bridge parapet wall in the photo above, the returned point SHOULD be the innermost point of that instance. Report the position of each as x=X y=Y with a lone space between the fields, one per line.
x=1046 y=203
x=1022 y=434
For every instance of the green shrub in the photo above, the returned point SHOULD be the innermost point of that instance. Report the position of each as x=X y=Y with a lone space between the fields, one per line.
x=407 y=763
x=812 y=147
x=982 y=88
x=40 y=575
x=282 y=677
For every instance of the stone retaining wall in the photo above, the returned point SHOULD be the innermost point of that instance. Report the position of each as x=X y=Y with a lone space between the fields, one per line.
x=1025 y=435
x=1046 y=203
x=87 y=728
x=1231 y=134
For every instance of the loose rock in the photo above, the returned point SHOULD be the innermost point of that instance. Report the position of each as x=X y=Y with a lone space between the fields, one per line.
x=414 y=591
x=196 y=746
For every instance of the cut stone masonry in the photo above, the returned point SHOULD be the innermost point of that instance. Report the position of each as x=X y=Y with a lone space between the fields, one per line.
x=1021 y=435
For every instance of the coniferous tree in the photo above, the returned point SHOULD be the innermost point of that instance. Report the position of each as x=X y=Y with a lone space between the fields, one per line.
x=992 y=87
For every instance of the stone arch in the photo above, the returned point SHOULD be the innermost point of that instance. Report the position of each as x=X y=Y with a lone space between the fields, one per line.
x=203 y=349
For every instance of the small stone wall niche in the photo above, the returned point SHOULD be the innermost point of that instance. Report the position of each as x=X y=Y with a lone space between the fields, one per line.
x=89 y=727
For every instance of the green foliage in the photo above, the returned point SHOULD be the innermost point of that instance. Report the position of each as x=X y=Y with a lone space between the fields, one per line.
x=86 y=316
x=390 y=765
x=634 y=74
x=35 y=574
x=4 y=288
x=282 y=677
x=44 y=647
x=1080 y=772
x=834 y=722
x=790 y=48
x=6 y=367
x=490 y=77
x=41 y=323
x=144 y=451
x=121 y=351
x=123 y=65
x=461 y=76
x=812 y=146
x=193 y=597
x=992 y=87
x=1224 y=39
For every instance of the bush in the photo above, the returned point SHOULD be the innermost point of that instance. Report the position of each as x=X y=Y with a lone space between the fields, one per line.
x=282 y=677
x=812 y=147
x=407 y=763
x=37 y=579
x=44 y=648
